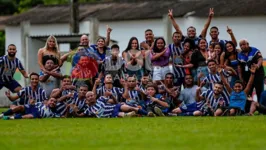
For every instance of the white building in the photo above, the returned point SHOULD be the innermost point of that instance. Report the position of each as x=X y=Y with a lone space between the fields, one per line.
x=132 y=19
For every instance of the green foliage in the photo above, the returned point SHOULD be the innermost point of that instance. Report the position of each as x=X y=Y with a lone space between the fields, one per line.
x=2 y=43
x=24 y=5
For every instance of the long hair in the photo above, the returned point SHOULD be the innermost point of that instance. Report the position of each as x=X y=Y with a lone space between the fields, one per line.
x=56 y=48
x=155 y=48
x=104 y=47
x=191 y=45
x=129 y=47
x=234 y=52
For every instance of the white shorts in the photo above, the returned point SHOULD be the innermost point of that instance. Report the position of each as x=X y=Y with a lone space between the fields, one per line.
x=160 y=72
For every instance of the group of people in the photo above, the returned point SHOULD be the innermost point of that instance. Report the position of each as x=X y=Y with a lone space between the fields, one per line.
x=189 y=77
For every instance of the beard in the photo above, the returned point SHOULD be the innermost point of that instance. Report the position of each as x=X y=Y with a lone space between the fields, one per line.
x=11 y=55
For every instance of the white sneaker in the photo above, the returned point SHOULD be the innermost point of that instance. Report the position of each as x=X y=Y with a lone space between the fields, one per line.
x=130 y=114
x=1 y=115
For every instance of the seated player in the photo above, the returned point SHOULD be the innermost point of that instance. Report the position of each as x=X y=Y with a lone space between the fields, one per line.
x=32 y=92
x=154 y=103
x=8 y=66
x=103 y=107
x=31 y=110
x=77 y=103
x=132 y=94
x=63 y=95
x=214 y=100
x=108 y=86
x=144 y=81
x=50 y=77
x=238 y=95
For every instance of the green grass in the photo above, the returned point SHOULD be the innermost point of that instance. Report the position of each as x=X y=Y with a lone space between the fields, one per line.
x=184 y=133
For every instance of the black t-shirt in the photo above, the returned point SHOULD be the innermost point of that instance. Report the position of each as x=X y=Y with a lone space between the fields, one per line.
x=197 y=59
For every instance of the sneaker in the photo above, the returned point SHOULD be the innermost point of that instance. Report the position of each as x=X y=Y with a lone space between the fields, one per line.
x=172 y=114
x=6 y=117
x=151 y=114
x=130 y=114
x=1 y=116
x=158 y=111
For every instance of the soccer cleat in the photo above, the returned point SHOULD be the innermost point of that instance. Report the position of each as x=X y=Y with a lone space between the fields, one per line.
x=130 y=114
x=6 y=118
x=151 y=114
x=158 y=111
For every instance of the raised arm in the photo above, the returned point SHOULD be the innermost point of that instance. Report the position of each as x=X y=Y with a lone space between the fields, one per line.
x=207 y=24
x=239 y=70
x=94 y=89
x=108 y=33
x=226 y=84
x=176 y=26
x=251 y=78
x=230 y=32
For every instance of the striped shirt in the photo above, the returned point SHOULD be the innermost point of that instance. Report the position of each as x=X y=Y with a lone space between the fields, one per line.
x=117 y=92
x=45 y=111
x=26 y=94
x=61 y=107
x=80 y=103
x=209 y=96
x=8 y=68
x=101 y=109
x=176 y=53
x=213 y=78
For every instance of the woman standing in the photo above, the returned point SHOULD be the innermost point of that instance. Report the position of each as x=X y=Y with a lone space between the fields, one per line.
x=160 y=59
x=199 y=59
x=133 y=58
x=229 y=58
x=49 y=51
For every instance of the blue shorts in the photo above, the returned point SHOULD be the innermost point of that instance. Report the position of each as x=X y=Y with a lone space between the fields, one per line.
x=33 y=110
x=116 y=110
x=189 y=108
x=11 y=85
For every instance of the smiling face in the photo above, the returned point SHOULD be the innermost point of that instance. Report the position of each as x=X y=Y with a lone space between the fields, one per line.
x=202 y=44
x=83 y=61
x=66 y=81
x=160 y=44
x=34 y=80
x=238 y=87
x=214 y=33
x=51 y=43
x=11 y=51
x=218 y=89
x=52 y=102
x=244 y=45
x=82 y=91
x=134 y=44
x=100 y=43
x=188 y=80
x=132 y=82
x=49 y=65
x=212 y=66
x=90 y=97
x=191 y=32
x=187 y=46
x=108 y=79
x=217 y=49
x=149 y=36
x=151 y=91
x=229 y=47
x=84 y=40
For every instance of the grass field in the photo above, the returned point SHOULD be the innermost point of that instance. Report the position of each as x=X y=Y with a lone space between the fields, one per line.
x=184 y=133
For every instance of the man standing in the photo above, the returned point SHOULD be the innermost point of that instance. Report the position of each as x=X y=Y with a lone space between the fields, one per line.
x=247 y=57
x=8 y=65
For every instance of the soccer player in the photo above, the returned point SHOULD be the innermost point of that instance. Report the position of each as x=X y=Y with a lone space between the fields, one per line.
x=144 y=81
x=132 y=94
x=176 y=49
x=214 y=33
x=50 y=77
x=103 y=107
x=8 y=66
x=32 y=92
x=108 y=86
x=191 y=31
x=63 y=95
x=31 y=110
x=213 y=98
x=214 y=77
x=77 y=103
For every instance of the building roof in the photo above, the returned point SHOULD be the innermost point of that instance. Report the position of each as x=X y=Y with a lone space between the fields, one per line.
x=2 y=18
x=139 y=10
x=65 y=38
